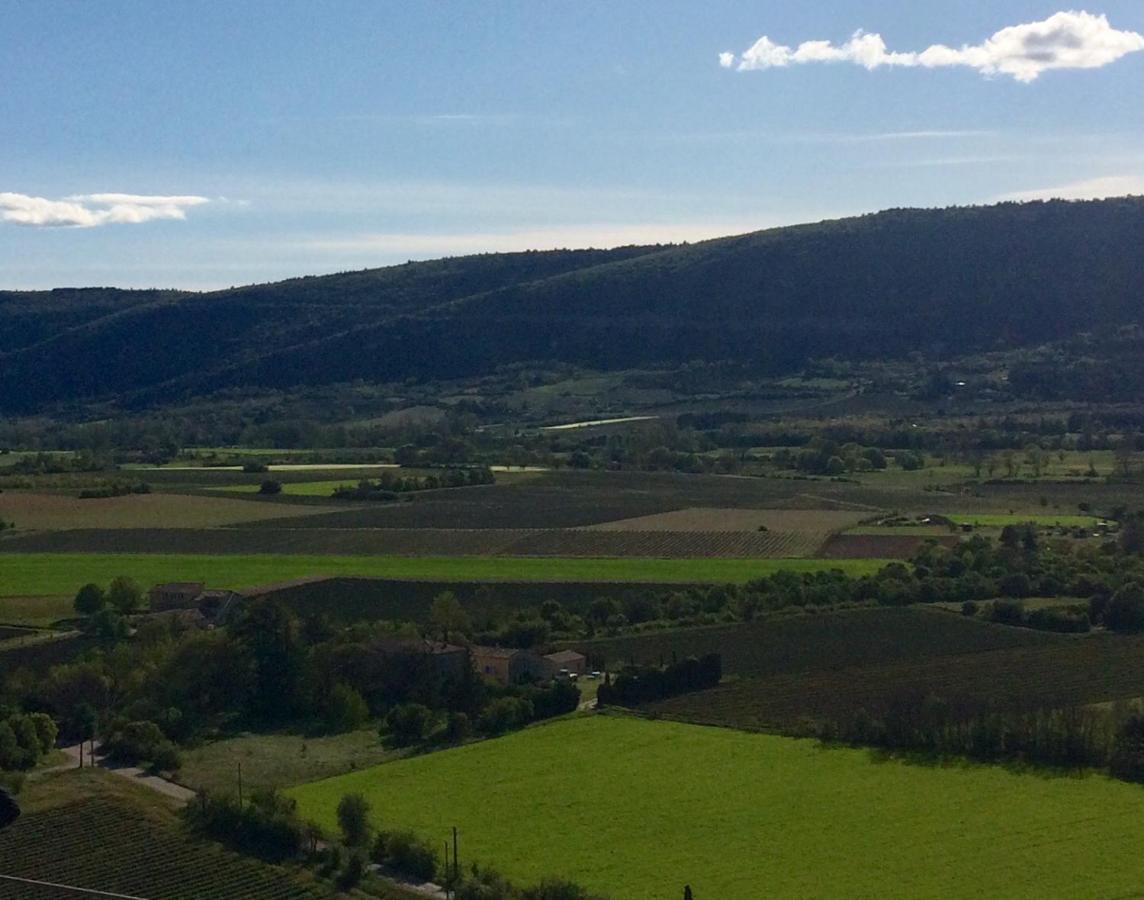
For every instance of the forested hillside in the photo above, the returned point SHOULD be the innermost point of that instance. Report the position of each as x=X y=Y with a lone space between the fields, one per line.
x=940 y=281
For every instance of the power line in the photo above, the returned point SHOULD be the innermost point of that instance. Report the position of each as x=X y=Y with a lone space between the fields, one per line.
x=69 y=887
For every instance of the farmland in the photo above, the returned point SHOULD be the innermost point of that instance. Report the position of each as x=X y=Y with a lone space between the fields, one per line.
x=50 y=512
x=553 y=542
x=717 y=796
x=95 y=831
x=43 y=574
x=39 y=611
x=819 y=642
x=1064 y=672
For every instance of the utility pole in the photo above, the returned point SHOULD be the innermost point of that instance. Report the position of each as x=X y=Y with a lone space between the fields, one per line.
x=446 y=870
x=456 y=866
x=240 y=785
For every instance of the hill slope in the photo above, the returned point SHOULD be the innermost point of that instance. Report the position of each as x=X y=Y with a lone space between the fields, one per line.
x=883 y=284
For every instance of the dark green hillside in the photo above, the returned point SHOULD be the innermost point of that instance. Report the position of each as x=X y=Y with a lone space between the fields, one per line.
x=940 y=281
x=146 y=339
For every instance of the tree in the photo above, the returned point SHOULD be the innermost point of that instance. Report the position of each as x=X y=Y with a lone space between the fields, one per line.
x=124 y=595
x=270 y=487
x=89 y=600
x=446 y=616
x=107 y=625
x=353 y=819
x=408 y=723
x=346 y=709
x=1125 y=609
x=269 y=635
x=9 y=809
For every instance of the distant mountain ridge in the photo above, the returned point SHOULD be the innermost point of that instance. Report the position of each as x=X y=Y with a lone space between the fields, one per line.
x=883 y=284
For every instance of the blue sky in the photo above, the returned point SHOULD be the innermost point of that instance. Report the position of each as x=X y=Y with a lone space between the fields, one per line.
x=262 y=139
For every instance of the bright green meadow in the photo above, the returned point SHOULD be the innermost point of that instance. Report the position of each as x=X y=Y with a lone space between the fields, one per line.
x=30 y=574
x=1000 y=520
x=638 y=808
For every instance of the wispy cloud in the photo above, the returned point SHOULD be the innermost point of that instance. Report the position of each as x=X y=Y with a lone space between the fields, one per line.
x=1091 y=189
x=91 y=210
x=1065 y=40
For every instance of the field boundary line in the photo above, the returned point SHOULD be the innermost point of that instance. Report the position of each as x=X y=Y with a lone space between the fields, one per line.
x=68 y=887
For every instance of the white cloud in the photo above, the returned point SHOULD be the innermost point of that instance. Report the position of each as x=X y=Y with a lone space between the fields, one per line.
x=90 y=210
x=1092 y=189
x=1065 y=40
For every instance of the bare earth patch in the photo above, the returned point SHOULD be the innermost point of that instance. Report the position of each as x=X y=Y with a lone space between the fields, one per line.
x=807 y=521
x=57 y=512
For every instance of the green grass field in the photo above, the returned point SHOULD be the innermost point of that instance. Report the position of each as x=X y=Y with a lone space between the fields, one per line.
x=637 y=809
x=60 y=574
x=989 y=520
x=278 y=760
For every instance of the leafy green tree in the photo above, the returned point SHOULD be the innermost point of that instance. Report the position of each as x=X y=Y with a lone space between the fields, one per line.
x=269 y=635
x=447 y=616
x=346 y=709
x=353 y=819
x=89 y=600
x=124 y=595
x=408 y=723
x=1125 y=609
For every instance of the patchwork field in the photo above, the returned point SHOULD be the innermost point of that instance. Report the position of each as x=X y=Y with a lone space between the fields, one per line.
x=97 y=832
x=52 y=512
x=1068 y=672
x=62 y=574
x=566 y=500
x=823 y=642
x=887 y=545
x=804 y=521
x=637 y=809
x=557 y=542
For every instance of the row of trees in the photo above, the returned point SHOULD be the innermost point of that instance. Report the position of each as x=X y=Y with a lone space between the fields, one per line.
x=637 y=685
x=1073 y=737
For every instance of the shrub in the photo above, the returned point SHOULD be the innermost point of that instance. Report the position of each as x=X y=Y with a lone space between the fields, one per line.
x=351 y=876
x=1128 y=754
x=458 y=728
x=404 y=852
x=254 y=467
x=141 y=742
x=408 y=723
x=505 y=714
x=267 y=827
x=270 y=487
x=353 y=819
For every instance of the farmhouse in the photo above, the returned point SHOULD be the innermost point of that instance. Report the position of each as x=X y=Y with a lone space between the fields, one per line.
x=215 y=604
x=175 y=595
x=507 y=665
x=446 y=659
x=575 y=663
